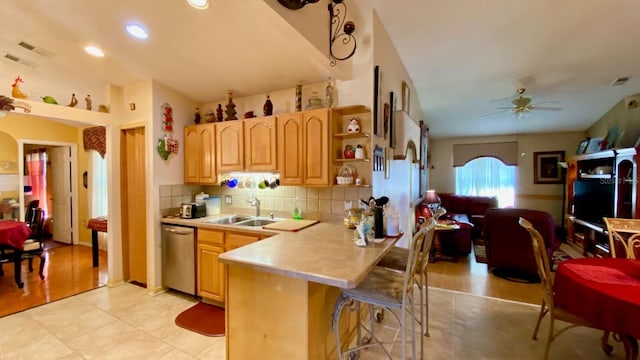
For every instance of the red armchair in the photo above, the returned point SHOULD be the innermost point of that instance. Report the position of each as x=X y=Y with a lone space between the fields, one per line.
x=508 y=245
x=469 y=212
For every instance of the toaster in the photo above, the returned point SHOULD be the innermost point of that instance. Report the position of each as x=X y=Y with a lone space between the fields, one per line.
x=193 y=210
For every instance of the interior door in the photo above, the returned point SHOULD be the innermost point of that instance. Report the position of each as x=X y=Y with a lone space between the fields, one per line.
x=134 y=216
x=61 y=226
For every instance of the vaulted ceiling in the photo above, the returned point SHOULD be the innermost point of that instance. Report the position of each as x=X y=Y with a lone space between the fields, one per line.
x=465 y=58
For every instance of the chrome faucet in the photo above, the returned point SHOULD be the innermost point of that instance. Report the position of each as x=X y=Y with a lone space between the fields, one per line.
x=255 y=202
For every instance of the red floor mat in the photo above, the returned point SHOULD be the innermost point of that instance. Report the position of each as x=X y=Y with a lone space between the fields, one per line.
x=203 y=318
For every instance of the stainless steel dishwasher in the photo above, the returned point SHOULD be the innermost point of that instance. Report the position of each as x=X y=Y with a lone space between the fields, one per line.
x=179 y=258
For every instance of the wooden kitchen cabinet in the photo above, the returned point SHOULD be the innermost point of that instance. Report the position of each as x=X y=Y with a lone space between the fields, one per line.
x=210 y=271
x=303 y=148
x=199 y=154
x=290 y=151
x=260 y=144
x=315 y=143
x=230 y=146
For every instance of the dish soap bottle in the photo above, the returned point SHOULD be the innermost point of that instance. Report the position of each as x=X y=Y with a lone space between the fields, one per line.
x=296 y=213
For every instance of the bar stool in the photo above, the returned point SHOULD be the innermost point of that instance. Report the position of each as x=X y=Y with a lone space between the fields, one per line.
x=387 y=289
x=396 y=260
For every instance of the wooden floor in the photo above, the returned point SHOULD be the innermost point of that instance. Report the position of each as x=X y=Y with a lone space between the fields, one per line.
x=466 y=275
x=68 y=271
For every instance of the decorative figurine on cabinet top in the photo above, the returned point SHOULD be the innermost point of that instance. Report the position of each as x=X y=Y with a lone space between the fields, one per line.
x=88 y=101
x=354 y=126
x=73 y=101
x=268 y=107
x=197 y=116
x=231 y=107
x=219 y=116
x=15 y=89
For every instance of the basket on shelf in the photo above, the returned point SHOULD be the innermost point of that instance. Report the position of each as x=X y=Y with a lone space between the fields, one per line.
x=344 y=180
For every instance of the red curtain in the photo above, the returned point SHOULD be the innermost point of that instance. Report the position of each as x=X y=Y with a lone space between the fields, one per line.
x=37 y=172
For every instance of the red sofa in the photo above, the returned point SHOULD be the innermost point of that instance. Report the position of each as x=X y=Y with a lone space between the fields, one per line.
x=469 y=212
x=508 y=245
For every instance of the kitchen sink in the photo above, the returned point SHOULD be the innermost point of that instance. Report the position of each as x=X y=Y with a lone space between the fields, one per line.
x=230 y=219
x=256 y=222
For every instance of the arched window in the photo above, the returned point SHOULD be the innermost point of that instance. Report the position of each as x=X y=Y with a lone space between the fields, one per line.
x=487 y=176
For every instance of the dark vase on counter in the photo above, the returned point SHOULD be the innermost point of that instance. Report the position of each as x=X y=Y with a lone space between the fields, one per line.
x=268 y=107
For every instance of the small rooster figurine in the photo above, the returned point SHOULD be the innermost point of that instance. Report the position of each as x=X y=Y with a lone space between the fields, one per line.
x=15 y=89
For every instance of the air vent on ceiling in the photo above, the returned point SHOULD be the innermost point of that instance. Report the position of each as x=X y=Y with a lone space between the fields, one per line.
x=36 y=49
x=20 y=60
x=619 y=81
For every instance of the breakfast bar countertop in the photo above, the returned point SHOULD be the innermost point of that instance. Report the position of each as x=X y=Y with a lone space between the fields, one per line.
x=324 y=253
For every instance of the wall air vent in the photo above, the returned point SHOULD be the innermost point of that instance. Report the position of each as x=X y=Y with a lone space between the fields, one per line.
x=38 y=50
x=20 y=60
x=619 y=81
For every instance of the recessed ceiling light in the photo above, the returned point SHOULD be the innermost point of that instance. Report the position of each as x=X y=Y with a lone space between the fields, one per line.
x=94 y=50
x=137 y=31
x=199 y=4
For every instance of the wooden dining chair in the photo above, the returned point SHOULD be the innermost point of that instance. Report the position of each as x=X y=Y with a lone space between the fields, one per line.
x=624 y=242
x=624 y=237
x=548 y=306
x=34 y=245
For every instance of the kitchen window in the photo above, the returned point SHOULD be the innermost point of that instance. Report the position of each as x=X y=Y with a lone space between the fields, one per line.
x=487 y=176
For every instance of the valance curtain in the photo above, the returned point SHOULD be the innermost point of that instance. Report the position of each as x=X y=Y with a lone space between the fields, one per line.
x=507 y=152
x=95 y=138
x=36 y=164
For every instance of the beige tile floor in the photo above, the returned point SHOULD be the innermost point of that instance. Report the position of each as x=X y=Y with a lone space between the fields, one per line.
x=125 y=323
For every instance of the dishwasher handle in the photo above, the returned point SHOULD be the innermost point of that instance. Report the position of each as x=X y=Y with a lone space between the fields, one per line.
x=179 y=232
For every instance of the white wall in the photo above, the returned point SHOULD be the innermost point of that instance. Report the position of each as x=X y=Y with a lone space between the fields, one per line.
x=546 y=197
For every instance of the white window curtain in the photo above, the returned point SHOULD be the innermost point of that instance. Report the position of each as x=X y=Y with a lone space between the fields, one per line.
x=98 y=185
x=487 y=176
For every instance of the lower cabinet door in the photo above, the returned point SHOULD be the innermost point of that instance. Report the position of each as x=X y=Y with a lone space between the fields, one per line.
x=211 y=272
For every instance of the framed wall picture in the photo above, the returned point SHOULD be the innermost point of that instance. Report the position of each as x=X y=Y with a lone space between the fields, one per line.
x=424 y=159
x=377 y=102
x=392 y=123
x=546 y=169
x=406 y=97
x=582 y=146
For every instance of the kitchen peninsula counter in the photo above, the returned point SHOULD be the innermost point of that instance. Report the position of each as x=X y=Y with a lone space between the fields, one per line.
x=281 y=292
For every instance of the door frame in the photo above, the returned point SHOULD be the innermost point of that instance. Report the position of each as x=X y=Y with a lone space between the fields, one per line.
x=75 y=238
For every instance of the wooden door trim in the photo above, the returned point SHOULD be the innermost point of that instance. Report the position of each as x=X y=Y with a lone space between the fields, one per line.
x=75 y=222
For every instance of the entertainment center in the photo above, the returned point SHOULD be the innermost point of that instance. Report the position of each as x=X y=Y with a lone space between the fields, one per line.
x=600 y=184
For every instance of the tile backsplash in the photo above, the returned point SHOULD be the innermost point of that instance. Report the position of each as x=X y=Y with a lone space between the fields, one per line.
x=324 y=201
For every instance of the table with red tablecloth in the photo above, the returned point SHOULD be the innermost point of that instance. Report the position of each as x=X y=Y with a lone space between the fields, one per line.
x=13 y=234
x=96 y=225
x=603 y=291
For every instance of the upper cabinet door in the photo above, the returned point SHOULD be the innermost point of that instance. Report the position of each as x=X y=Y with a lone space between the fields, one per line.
x=191 y=154
x=230 y=146
x=316 y=146
x=290 y=151
x=260 y=143
x=207 y=136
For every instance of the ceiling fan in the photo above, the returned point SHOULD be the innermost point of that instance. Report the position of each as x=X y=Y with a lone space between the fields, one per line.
x=521 y=105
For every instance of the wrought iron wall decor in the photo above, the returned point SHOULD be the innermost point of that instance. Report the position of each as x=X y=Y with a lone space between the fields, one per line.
x=340 y=30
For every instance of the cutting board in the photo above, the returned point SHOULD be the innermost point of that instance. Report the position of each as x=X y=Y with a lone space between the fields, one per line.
x=290 y=225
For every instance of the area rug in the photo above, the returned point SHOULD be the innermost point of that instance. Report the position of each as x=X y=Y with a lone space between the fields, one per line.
x=557 y=257
x=480 y=251
x=203 y=318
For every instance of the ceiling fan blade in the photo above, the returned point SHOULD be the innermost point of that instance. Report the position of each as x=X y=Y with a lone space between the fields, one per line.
x=546 y=102
x=505 y=108
x=497 y=112
x=545 y=108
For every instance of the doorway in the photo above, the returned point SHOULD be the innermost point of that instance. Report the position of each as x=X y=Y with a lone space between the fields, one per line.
x=58 y=185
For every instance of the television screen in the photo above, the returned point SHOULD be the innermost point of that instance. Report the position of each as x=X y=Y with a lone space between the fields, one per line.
x=593 y=200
